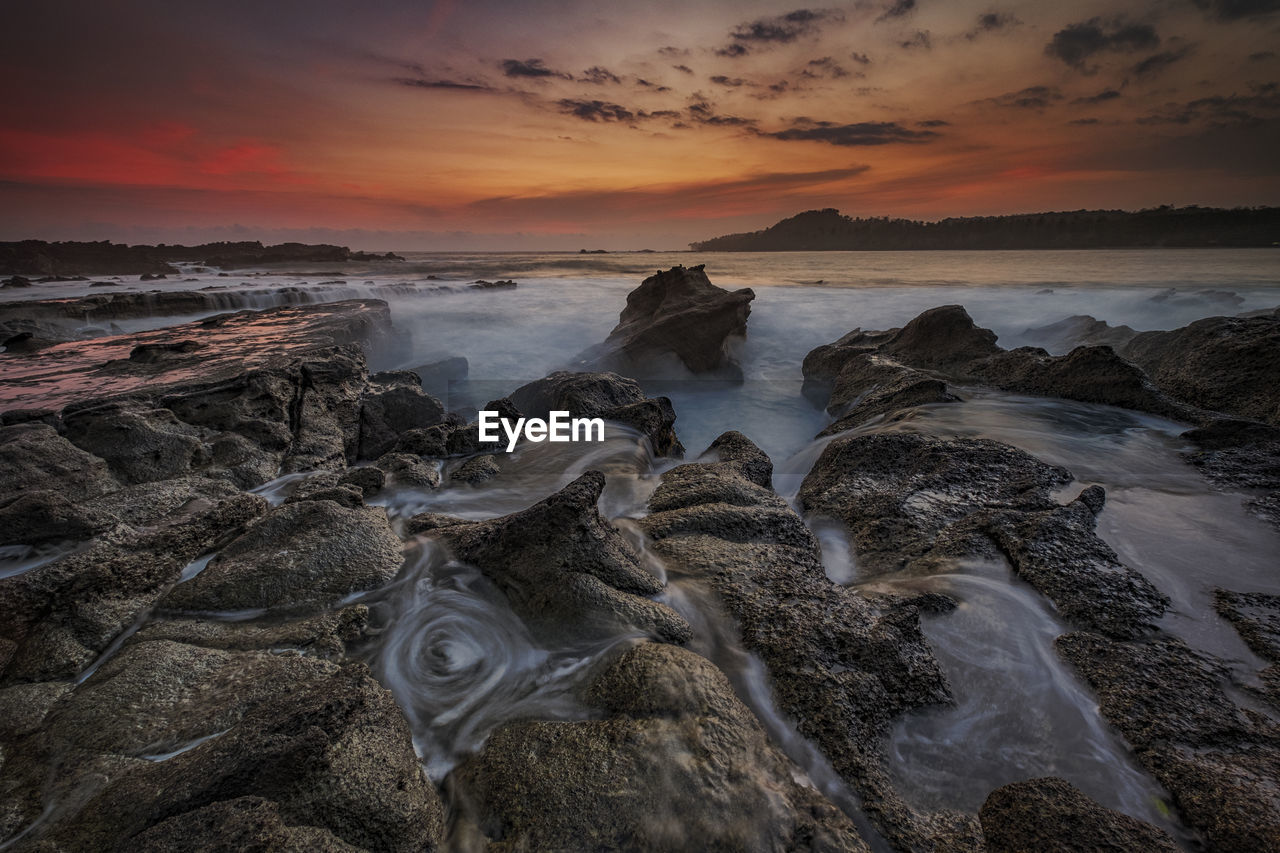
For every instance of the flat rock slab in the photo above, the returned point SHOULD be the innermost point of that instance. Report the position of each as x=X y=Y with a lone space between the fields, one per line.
x=190 y=354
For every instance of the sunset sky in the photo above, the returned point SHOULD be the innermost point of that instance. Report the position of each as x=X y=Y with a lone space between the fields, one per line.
x=491 y=125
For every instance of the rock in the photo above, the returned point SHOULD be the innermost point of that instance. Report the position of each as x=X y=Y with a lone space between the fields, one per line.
x=393 y=402
x=676 y=319
x=140 y=443
x=245 y=823
x=477 y=469
x=917 y=503
x=325 y=635
x=676 y=763
x=1220 y=761
x=1078 y=330
x=1256 y=618
x=409 y=470
x=152 y=353
x=1227 y=364
x=884 y=372
x=34 y=457
x=324 y=745
x=1240 y=456
x=565 y=570
x=15 y=282
x=299 y=554
x=58 y=617
x=843 y=666
x=944 y=338
x=369 y=479
x=1052 y=816
x=602 y=395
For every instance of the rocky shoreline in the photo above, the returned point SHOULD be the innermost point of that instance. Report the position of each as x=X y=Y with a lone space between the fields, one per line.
x=198 y=525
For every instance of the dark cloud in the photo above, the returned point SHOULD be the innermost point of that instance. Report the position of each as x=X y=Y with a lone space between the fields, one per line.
x=780 y=29
x=1262 y=56
x=897 y=9
x=1076 y=43
x=1157 y=63
x=933 y=122
x=703 y=112
x=1234 y=110
x=1084 y=121
x=919 y=41
x=599 y=76
x=673 y=51
x=824 y=67
x=1102 y=97
x=851 y=135
x=731 y=82
x=530 y=68
x=860 y=58
x=595 y=110
x=646 y=84
x=1030 y=98
x=1234 y=10
x=990 y=22
x=423 y=83
x=684 y=69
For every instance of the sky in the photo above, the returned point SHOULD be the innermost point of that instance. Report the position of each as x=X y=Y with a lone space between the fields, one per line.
x=485 y=125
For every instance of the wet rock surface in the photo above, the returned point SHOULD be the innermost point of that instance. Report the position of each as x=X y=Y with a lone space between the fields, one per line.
x=1216 y=757
x=1226 y=364
x=944 y=344
x=602 y=395
x=675 y=762
x=565 y=570
x=842 y=665
x=1051 y=815
x=676 y=319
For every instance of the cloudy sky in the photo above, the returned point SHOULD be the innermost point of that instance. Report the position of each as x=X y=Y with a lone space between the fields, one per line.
x=436 y=124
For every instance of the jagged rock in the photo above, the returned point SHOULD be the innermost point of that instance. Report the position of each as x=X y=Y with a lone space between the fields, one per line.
x=1256 y=618
x=245 y=823
x=139 y=443
x=842 y=665
x=676 y=763
x=437 y=375
x=1227 y=364
x=304 y=553
x=1078 y=330
x=56 y=618
x=674 y=321
x=393 y=403
x=602 y=395
x=916 y=503
x=477 y=469
x=883 y=372
x=1235 y=456
x=1050 y=815
x=565 y=570
x=1219 y=760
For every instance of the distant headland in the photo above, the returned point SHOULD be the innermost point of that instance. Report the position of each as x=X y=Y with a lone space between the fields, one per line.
x=1170 y=227
x=39 y=257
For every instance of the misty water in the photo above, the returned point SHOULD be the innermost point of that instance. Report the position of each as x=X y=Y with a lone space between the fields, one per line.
x=459 y=662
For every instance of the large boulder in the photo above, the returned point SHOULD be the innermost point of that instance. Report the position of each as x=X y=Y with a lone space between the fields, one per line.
x=675 y=762
x=676 y=322
x=1227 y=364
x=602 y=395
x=842 y=665
x=565 y=570
x=393 y=402
x=1049 y=815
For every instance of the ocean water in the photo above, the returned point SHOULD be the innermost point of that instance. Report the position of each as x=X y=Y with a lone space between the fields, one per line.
x=1020 y=712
